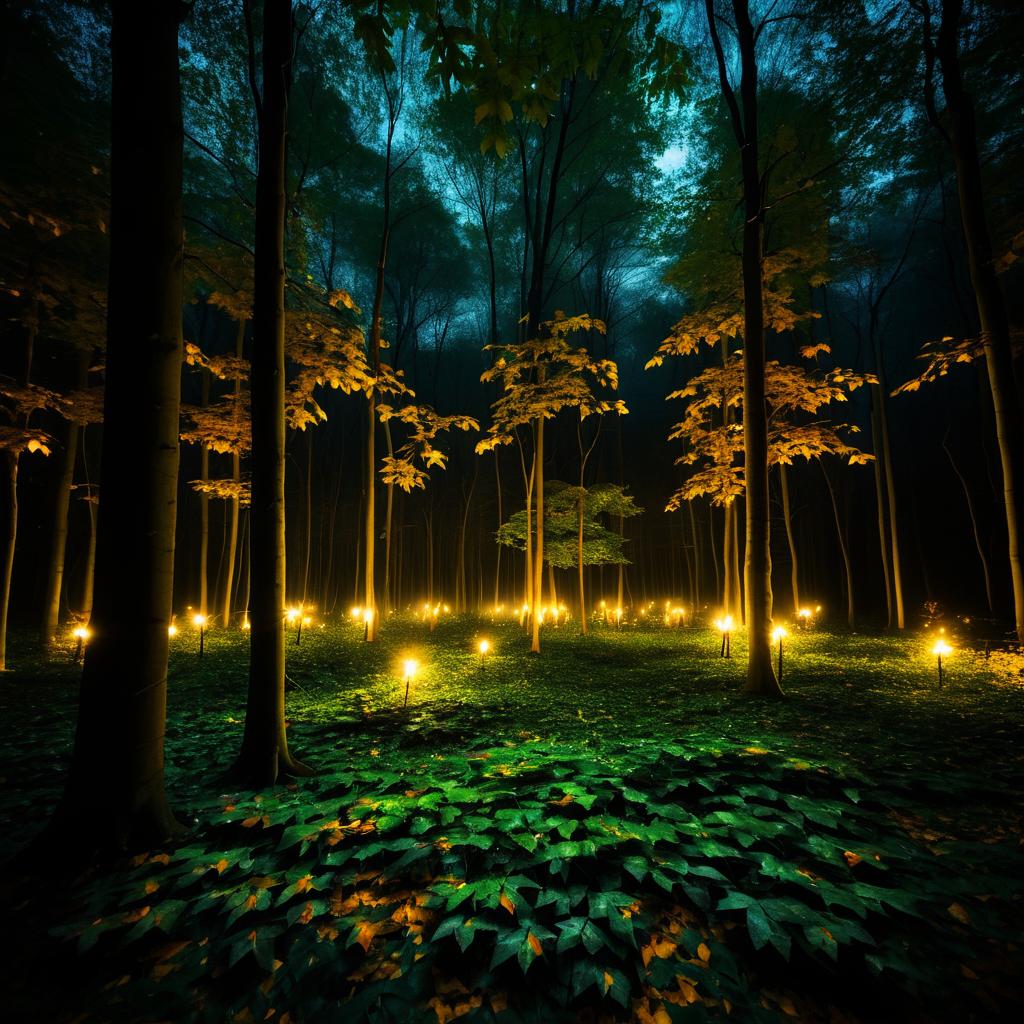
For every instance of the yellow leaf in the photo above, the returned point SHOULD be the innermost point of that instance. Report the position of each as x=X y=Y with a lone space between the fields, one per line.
x=959 y=912
x=703 y=952
x=608 y=981
x=507 y=903
x=536 y=946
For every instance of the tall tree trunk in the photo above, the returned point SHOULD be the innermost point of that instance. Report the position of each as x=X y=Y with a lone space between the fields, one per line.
x=497 y=559
x=114 y=798
x=538 y=545
x=234 y=504
x=890 y=489
x=979 y=546
x=204 y=509
x=308 y=554
x=388 y=516
x=880 y=500
x=61 y=501
x=757 y=561
x=992 y=315
x=697 y=596
x=264 y=756
x=787 y=517
x=843 y=548
x=13 y=459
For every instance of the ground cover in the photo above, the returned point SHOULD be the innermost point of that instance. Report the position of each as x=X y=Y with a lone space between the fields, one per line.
x=610 y=831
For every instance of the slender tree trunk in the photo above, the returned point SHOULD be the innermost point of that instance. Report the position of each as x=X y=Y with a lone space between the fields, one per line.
x=584 y=627
x=880 y=496
x=264 y=756
x=114 y=798
x=787 y=516
x=552 y=590
x=728 y=598
x=995 y=328
x=538 y=546
x=309 y=519
x=204 y=510
x=843 y=548
x=979 y=546
x=697 y=596
x=234 y=504
x=757 y=559
x=890 y=489
x=497 y=559
x=388 y=515
x=62 y=499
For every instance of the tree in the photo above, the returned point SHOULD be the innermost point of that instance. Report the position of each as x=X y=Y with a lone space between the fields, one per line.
x=957 y=123
x=114 y=797
x=265 y=755
x=562 y=504
x=539 y=378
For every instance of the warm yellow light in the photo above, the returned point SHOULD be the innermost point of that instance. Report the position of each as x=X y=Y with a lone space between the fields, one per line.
x=602 y=604
x=356 y=612
x=778 y=633
x=306 y=620
x=293 y=614
x=484 y=646
x=804 y=613
x=618 y=613
x=410 y=667
x=446 y=609
x=199 y=621
x=172 y=630
x=82 y=633
x=724 y=625
x=246 y=624
x=942 y=649
x=368 y=615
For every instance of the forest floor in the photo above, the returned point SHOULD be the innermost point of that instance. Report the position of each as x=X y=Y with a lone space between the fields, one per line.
x=614 y=820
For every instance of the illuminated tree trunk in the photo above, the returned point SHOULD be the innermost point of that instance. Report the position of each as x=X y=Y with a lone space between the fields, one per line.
x=757 y=561
x=584 y=628
x=264 y=756
x=114 y=798
x=388 y=517
x=61 y=501
x=995 y=328
x=884 y=451
x=883 y=535
x=697 y=574
x=538 y=546
x=204 y=509
x=234 y=504
x=552 y=590
x=308 y=552
x=497 y=561
x=728 y=598
x=787 y=516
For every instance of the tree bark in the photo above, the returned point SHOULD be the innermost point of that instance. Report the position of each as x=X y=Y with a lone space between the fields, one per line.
x=264 y=756
x=234 y=505
x=757 y=561
x=787 y=517
x=992 y=315
x=979 y=546
x=114 y=798
x=204 y=509
x=61 y=501
x=538 y=545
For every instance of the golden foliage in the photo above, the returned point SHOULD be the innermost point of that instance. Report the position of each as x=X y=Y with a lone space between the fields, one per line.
x=542 y=376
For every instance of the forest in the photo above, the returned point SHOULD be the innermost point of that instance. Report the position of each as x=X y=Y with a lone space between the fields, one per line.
x=512 y=511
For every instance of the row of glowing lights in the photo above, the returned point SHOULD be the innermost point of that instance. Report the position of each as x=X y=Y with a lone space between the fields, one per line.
x=724 y=624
